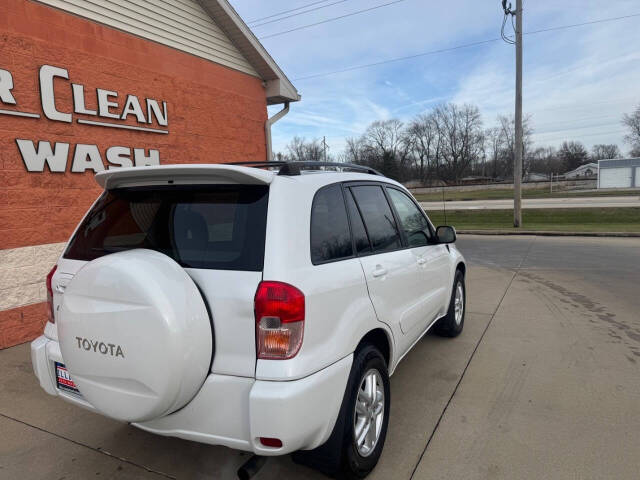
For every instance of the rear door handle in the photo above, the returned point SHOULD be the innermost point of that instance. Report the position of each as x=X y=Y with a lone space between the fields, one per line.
x=379 y=272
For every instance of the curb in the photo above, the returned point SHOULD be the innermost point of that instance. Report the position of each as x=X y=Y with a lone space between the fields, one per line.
x=547 y=233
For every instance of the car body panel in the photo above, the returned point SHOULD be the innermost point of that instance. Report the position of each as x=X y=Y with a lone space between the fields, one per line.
x=298 y=399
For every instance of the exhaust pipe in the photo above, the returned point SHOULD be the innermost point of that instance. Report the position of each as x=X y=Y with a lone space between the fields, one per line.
x=251 y=467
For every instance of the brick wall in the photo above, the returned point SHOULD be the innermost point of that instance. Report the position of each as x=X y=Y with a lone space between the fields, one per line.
x=215 y=115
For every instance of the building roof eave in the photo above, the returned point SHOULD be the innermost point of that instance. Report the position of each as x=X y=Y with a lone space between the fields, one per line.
x=279 y=88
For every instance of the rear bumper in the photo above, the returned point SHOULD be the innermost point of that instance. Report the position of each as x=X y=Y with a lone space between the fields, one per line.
x=44 y=352
x=236 y=411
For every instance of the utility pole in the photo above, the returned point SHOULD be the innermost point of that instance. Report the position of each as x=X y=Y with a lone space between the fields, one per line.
x=519 y=150
x=517 y=168
x=324 y=147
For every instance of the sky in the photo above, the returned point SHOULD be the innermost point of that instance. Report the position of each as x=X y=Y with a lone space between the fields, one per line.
x=578 y=82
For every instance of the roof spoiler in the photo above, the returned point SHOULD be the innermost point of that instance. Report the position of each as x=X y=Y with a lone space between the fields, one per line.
x=170 y=174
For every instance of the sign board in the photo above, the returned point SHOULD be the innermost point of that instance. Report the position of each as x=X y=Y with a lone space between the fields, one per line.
x=112 y=110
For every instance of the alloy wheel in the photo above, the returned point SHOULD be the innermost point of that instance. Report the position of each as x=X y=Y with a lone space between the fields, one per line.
x=459 y=303
x=369 y=412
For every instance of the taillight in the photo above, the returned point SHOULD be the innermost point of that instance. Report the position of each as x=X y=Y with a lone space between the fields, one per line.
x=279 y=309
x=50 y=316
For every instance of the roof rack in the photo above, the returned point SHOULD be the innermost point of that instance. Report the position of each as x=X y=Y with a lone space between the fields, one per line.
x=295 y=168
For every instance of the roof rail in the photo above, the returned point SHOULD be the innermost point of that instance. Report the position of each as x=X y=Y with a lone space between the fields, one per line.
x=295 y=168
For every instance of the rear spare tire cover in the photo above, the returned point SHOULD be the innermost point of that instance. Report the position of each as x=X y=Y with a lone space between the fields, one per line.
x=135 y=335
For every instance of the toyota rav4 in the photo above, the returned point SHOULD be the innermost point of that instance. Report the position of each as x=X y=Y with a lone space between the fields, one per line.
x=241 y=306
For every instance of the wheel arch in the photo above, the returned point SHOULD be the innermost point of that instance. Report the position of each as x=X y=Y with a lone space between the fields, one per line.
x=381 y=339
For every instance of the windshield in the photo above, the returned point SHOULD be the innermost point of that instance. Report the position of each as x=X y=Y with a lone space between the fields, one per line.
x=213 y=226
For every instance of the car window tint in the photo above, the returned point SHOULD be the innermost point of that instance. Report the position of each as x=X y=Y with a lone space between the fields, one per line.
x=378 y=218
x=357 y=226
x=214 y=226
x=412 y=220
x=330 y=234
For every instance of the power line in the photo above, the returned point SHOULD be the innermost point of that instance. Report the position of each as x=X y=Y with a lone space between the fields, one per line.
x=299 y=13
x=358 y=12
x=399 y=59
x=572 y=128
x=459 y=47
x=286 y=11
x=566 y=137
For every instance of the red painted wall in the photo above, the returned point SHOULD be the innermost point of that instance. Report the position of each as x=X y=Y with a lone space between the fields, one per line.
x=215 y=114
x=22 y=324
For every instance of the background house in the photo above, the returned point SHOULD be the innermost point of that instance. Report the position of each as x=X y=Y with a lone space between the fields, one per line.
x=587 y=170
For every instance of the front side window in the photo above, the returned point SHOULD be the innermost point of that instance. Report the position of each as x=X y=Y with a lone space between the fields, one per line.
x=211 y=226
x=330 y=234
x=412 y=220
x=378 y=218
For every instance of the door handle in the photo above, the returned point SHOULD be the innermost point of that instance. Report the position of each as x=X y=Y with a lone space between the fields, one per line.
x=379 y=271
x=421 y=261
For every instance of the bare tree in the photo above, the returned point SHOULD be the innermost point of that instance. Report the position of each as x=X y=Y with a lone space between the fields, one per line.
x=632 y=122
x=425 y=143
x=573 y=154
x=545 y=160
x=461 y=138
x=385 y=147
x=494 y=149
x=605 y=152
x=507 y=126
x=448 y=143
x=301 y=150
x=296 y=149
x=353 y=151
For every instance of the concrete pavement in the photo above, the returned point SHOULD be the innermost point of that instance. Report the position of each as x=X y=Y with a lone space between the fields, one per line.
x=570 y=202
x=543 y=383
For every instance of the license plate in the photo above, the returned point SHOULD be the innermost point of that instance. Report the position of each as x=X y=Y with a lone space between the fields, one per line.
x=63 y=380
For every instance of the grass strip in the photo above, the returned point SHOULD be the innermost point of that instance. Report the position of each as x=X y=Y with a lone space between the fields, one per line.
x=556 y=219
x=508 y=194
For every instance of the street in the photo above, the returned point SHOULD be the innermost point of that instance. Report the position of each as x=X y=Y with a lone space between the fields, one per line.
x=570 y=202
x=542 y=383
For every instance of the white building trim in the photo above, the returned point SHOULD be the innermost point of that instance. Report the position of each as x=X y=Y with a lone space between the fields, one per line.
x=210 y=29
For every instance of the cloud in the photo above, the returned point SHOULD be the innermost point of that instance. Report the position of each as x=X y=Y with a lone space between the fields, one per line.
x=577 y=82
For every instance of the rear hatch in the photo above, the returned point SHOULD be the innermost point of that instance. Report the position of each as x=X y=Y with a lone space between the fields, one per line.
x=215 y=232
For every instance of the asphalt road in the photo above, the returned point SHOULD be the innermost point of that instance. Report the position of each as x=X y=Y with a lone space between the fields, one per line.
x=571 y=202
x=543 y=383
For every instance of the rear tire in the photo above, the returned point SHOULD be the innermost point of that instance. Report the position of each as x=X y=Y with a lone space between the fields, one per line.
x=343 y=456
x=452 y=323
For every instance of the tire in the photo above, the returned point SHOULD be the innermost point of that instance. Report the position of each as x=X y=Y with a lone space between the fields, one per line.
x=341 y=456
x=451 y=324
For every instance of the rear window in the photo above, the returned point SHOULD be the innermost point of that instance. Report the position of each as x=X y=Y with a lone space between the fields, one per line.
x=218 y=227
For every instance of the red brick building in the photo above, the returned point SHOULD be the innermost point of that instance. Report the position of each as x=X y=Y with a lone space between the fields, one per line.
x=86 y=86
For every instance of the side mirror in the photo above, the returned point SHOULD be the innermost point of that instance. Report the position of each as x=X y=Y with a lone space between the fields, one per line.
x=446 y=234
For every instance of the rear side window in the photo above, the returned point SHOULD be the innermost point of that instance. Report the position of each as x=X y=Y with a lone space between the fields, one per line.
x=378 y=218
x=330 y=235
x=214 y=226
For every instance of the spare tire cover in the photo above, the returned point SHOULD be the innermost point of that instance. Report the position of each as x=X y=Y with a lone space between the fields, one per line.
x=135 y=335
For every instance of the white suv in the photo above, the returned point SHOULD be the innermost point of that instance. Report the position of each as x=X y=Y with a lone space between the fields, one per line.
x=247 y=307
